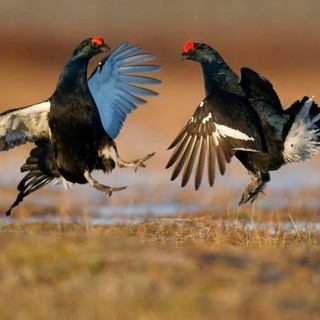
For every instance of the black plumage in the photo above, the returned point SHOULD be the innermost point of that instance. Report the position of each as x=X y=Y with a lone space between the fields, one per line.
x=249 y=122
x=74 y=130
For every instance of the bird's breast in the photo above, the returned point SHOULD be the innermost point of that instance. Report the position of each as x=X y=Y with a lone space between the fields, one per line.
x=75 y=134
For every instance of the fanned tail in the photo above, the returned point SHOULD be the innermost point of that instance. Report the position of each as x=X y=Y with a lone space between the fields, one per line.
x=40 y=170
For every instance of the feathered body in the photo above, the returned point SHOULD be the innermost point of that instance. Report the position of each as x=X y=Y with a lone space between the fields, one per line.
x=74 y=130
x=257 y=130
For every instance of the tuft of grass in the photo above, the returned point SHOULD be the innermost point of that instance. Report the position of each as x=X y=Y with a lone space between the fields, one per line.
x=194 y=229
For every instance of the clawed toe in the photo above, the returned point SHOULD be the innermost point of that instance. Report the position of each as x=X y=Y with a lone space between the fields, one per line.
x=139 y=163
x=101 y=187
x=108 y=190
x=248 y=196
x=255 y=187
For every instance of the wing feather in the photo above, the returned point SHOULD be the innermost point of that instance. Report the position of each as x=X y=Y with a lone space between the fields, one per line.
x=138 y=79
x=182 y=160
x=141 y=68
x=188 y=169
x=211 y=161
x=136 y=90
x=211 y=134
x=201 y=162
x=21 y=125
x=145 y=57
x=117 y=85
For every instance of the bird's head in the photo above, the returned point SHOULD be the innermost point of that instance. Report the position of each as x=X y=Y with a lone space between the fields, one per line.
x=90 y=47
x=200 y=52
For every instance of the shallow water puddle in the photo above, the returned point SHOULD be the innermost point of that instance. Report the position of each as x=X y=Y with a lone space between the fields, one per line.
x=134 y=213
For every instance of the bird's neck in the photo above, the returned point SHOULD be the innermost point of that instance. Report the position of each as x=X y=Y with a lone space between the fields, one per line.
x=220 y=75
x=74 y=76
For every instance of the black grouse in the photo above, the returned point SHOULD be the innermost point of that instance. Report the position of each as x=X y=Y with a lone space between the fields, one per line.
x=74 y=130
x=244 y=118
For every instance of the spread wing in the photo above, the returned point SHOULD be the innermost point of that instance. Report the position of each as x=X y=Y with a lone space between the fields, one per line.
x=117 y=85
x=27 y=124
x=215 y=132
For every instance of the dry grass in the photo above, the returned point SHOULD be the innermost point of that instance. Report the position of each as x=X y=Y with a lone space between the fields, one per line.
x=196 y=267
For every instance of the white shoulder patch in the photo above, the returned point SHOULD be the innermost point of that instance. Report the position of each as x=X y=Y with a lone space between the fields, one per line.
x=225 y=131
x=207 y=118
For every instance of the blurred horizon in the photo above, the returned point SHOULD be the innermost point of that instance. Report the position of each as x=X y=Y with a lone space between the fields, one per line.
x=273 y=38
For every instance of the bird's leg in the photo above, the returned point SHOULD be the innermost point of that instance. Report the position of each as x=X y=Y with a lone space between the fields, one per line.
x=135 y=164
x=108 y=151
x=94 y=183
x=257 y=184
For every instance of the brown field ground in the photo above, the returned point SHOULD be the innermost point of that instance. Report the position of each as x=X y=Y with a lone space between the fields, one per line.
x=194 y=267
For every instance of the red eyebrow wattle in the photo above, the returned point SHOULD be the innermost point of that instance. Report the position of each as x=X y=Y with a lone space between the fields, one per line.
x=188 y=45
x=98 y=40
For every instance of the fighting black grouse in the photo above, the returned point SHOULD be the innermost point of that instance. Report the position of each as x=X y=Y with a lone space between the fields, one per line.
x=244 y=118
x=74 y=130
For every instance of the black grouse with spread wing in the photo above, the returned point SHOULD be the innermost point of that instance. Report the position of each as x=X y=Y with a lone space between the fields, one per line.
x=243 y=118
x=74 y=130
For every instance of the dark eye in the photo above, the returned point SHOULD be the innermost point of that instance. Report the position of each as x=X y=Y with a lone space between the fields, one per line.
x=95 y=44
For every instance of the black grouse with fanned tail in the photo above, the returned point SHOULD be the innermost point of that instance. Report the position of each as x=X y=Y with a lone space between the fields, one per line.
x=244 y=118
x=74 y=130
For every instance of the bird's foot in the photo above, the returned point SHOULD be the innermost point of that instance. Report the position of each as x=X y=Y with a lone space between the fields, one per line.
x=250 y=193
x=254 y=188
x=139 y=163
x=101 y=187
x=107 y=189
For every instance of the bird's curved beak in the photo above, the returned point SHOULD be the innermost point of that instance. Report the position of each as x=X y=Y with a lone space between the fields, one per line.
x=104 y=47
x=184 y=56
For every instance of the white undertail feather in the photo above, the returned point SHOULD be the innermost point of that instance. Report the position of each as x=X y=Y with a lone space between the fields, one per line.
x=66 y=184
x=303 y=139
